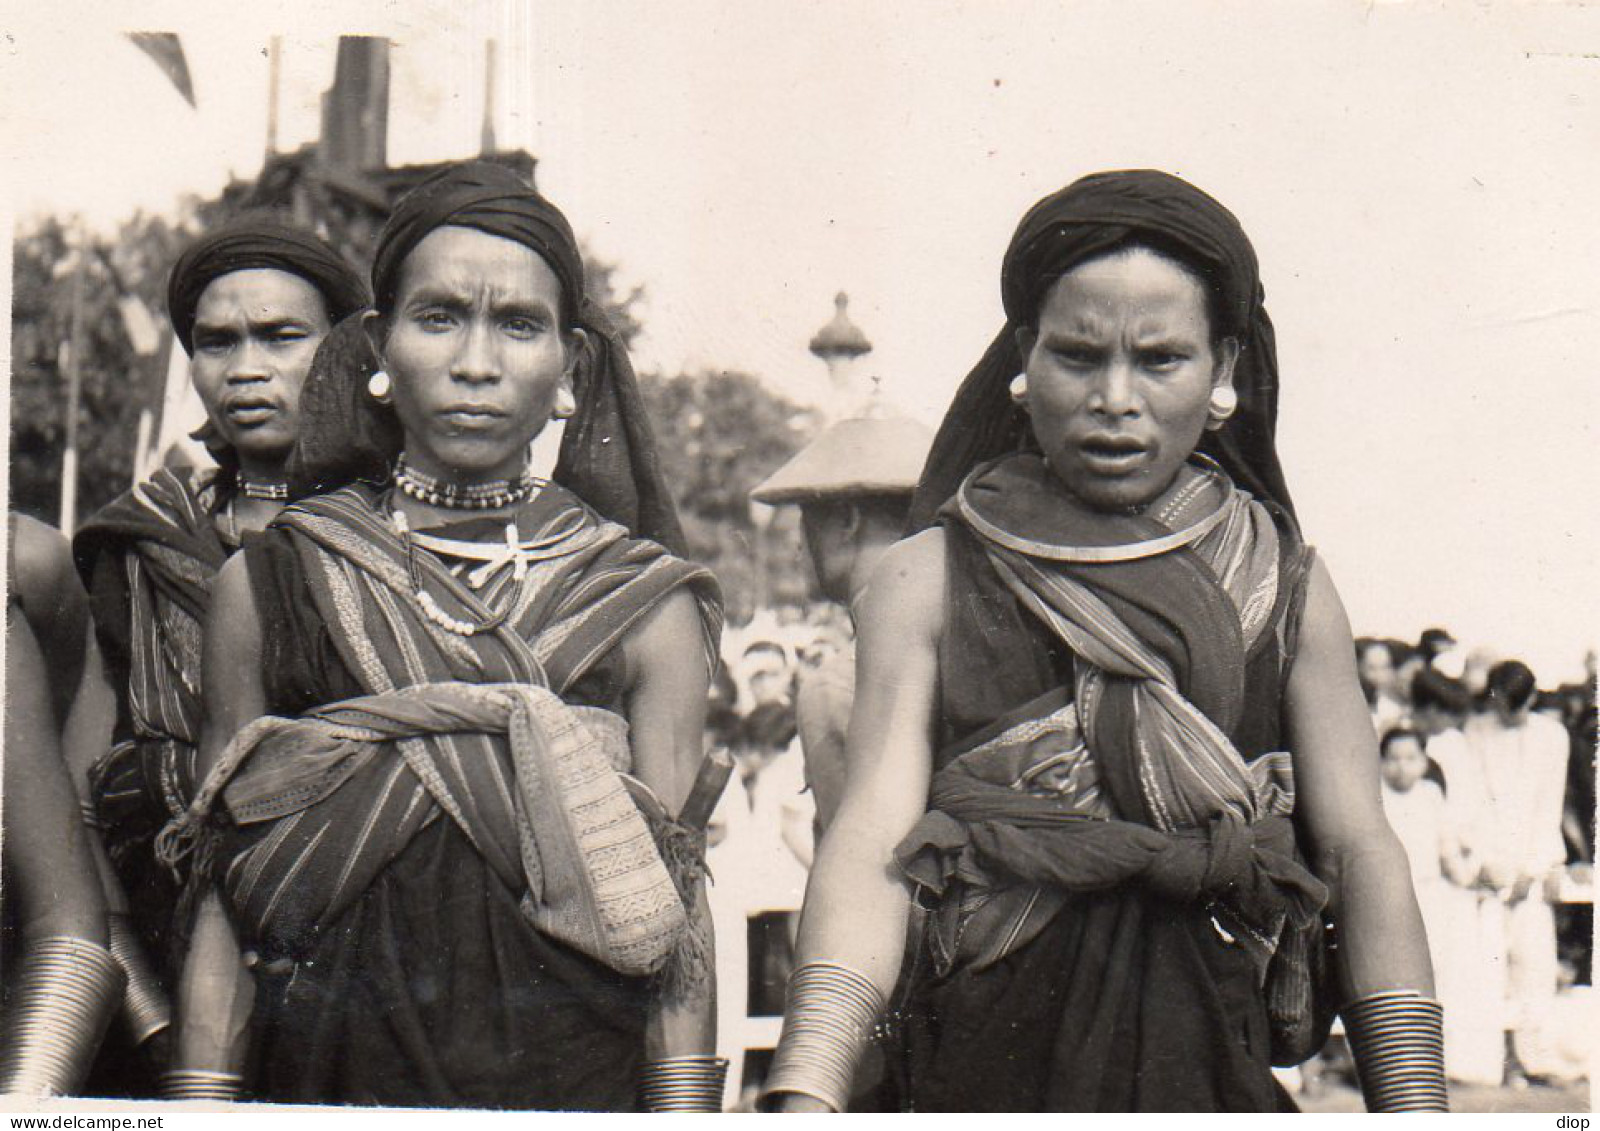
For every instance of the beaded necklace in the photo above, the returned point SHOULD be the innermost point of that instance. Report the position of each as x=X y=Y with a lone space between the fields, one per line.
x=493 y=495
x=266 y=490
x=425 y=600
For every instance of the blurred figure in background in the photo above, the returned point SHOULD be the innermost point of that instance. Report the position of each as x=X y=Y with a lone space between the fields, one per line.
x=1439 y=706
x=767 y=668
x=1415 y=806
x=1380 y=682
x=1506 y=781
x=853 y=485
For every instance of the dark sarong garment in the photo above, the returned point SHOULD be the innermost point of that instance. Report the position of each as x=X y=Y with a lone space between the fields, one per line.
x=148 y=559
x=1082 y=951
x=425 y=983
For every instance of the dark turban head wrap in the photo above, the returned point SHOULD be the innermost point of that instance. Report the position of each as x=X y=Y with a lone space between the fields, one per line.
x=1090 y=218
x=255 y=242
x=608 y=454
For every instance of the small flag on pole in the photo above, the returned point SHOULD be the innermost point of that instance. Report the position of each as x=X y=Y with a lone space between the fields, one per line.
x=143 y=333
x=164 y=48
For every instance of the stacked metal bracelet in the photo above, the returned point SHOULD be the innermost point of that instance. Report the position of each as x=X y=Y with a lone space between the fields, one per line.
x=64 y=995
x=831 y=1013
x=145 y=1009
x=195 y=1084
x=1397 y=1039
x=683 y=1083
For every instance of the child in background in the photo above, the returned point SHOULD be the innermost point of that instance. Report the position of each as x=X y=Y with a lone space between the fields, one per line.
x=1415 y=807
x=1441 y=870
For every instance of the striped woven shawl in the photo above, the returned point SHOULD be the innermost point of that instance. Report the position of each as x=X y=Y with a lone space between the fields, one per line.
x=163 y=529
x=473 y=727
x=1131 y=776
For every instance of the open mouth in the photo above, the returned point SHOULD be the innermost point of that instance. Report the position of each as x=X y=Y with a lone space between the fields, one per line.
x=1112 y=453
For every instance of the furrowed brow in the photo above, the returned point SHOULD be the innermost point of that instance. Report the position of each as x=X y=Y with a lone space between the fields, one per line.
x=273 y=325
x=447 y=297
x=536 y=309
x=212 y=330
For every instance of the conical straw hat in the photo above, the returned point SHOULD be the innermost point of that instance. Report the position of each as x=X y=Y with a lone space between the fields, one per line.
x=871 y=455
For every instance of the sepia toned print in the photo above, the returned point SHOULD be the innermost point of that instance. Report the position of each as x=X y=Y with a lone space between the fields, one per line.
x=546 y=589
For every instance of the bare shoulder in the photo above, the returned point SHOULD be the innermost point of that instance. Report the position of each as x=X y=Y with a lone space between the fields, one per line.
x=667 y=644
x=1324 y=625
x=906 y=594
x=41 y=559
x=671 y=629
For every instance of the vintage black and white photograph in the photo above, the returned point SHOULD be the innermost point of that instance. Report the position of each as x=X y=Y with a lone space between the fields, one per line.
x=605 y=556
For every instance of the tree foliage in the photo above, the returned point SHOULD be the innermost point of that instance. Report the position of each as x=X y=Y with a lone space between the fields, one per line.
x=720 y=434
x=116 y=383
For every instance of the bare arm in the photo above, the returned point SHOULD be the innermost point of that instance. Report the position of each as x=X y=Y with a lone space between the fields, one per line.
x=47 y=851
x=666 y=706
x=857 y=901
x=216 y=992
x=1382 y=942
x=84 y=705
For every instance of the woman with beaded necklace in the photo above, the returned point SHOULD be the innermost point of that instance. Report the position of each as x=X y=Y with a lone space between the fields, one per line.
x=1107 y=731
x=451 y=758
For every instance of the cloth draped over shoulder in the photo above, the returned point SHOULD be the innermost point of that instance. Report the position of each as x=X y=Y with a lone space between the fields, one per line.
x=474 y=730
x=1088 y=218
x=148 y=560
x=1128 y=779
x=608 y=455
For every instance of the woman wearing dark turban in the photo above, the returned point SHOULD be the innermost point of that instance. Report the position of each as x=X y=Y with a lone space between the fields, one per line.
x=458 y=720
x=250 y=302
x=1108 y=737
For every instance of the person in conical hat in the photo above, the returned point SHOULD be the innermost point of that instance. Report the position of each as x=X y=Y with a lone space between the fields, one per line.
x=853 y=485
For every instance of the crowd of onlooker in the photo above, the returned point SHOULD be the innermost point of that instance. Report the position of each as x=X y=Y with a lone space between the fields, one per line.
x=1487 y=779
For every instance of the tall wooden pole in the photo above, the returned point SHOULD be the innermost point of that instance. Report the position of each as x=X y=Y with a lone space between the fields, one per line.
x=69 y=458
x=274 y=77
x=486 y=140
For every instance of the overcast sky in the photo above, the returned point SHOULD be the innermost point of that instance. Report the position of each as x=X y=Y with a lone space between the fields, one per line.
x=1418 y=179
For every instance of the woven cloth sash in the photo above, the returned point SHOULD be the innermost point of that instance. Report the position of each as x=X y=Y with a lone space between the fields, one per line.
x=589 y=866
x=1160 y=642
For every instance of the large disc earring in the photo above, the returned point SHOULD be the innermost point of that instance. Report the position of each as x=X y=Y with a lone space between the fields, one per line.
x=566 y=404
x=380 y=388
x=1224 y=403
x=1019 y=389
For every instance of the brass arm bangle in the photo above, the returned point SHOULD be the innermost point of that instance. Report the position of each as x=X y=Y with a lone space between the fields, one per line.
x=1397 y=1040
x=64 y=994
x=146 y=1010
x=683 y=1083
x=196 y=1084
x=829 y=1017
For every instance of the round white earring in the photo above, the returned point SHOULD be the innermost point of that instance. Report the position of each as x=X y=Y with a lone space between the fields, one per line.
x=1019 y=388
x=1224 y=403
x=566 y=404
x=380 y=388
